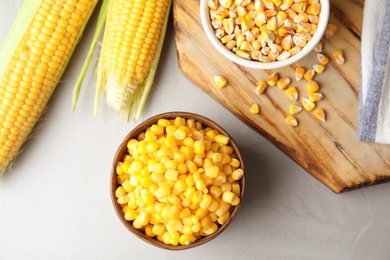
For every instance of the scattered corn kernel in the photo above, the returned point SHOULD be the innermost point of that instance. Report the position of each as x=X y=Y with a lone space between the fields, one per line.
x=319 y=113
x=299 y=73
x=309 y=74
x=272 y=79
x=173 y=194
x=295 y=109
x=291 y=120
x=339 y=57
x=319 y=68
x=283 y=83
x=318 y=47
x=220 y=81
x=261 y=87
x=292 y=93
x=312 y=86
x=331 y=30
x=322 y=59
x=308 y=104
x=255 y=109
x=316 y=96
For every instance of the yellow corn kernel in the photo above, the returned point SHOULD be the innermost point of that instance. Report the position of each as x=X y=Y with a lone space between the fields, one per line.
x=292 y=93
x=318 y=48
x=272 y=23
x=227 y=38
x=261 y=87
x=299 y=73
x=316 y=96
x=291 y=120
x=213 y=4
x=283 y=83
x=272 y=79
x=287 y=43
x=255 y=109
x=294 y=50
x=309 y=74
x=319 y=113
x=215 y=191
x=331 y=30
x=226 y=3
x=312 y=86
x=339 y=57
x=243 y=54
x=286 y=4
x=163 y=191
x=246 y=46
x=280 y=18
x=295 y=109
x=227 y=196
x=322 y=59
x=308 y=104
x=319 y=68
x=314 y=8
x=237 y=174
x=220 y=81
x=299 y=7
x=222 y=139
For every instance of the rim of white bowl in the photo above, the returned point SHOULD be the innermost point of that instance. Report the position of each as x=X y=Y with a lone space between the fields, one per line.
x=207 y=28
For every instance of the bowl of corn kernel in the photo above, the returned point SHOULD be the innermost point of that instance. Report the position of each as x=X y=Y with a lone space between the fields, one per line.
x=264 y=34
x=177 y=180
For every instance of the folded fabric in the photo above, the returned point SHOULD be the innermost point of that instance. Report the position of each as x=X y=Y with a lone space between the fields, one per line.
x=374 y=97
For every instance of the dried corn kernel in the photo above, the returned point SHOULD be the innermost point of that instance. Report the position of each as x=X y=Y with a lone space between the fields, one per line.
x=292 y=93
x=295 y=109
x=309 y=74
x=315 y=96
x=220 y=81
x=319 y=68
x=331 y=30
x=228 y=25
x=291 y=120
x=212 y=4
x=322 y=59
x=319 y=113
x=261 y=87
x=312 y=86
x=283 y=83
x=308 y=104
x=299 y=73
x=339 y=57
x=294 y=50
x=318 y=47
x=272 y=79
x=255 y=109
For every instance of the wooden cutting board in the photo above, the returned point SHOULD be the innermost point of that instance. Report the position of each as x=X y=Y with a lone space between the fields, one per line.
x=328 y=150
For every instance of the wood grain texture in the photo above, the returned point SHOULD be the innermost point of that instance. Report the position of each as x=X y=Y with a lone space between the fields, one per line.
x=328 y=150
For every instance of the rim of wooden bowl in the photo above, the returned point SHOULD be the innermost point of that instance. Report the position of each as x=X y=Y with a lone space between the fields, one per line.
x=122 y=150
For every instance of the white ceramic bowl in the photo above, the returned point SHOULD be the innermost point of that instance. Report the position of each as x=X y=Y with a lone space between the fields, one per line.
x=206 y=23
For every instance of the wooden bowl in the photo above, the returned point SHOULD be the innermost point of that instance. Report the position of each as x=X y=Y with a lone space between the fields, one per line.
x=122 y=150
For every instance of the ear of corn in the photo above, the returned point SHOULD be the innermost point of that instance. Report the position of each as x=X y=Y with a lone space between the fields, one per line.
x=33 y=59
x=132 y=42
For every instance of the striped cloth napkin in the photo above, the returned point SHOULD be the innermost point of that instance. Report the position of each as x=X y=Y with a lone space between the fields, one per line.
x=374 y=98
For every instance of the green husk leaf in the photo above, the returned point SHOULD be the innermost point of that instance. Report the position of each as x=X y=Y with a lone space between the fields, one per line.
x=99 y=27
x=147 y=85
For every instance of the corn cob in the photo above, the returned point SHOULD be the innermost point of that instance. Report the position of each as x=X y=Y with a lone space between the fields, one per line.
x=132 y=42
x=34 y=57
